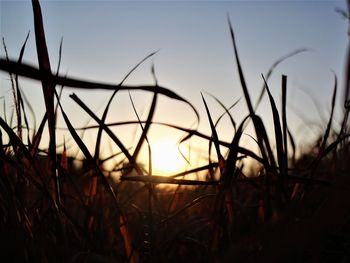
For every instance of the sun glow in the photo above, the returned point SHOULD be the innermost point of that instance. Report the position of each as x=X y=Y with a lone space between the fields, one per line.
x=166 y=157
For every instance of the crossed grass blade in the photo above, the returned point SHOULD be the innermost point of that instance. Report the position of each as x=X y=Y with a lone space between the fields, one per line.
x=107 y=130
x=190 y=132
x=216 y=142
x=48 y=90
x=87 y=154
x=104 y=115
x=37 y=136
x=278 y=137
x=149 y=235
x=215 y=139
x=227 y=111
x=145 y=128
x=260 y=131
x=224 y=197
x=262 y=138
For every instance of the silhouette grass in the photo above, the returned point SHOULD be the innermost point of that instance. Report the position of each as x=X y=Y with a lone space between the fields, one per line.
x=53 y=210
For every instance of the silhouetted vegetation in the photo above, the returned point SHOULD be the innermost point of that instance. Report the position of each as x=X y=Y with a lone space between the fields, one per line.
x=56 y=208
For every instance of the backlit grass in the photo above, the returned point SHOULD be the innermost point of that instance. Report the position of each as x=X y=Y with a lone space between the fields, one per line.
x=58 y=208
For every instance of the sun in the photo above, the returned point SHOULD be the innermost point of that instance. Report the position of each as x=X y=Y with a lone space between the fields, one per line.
x=166 y=157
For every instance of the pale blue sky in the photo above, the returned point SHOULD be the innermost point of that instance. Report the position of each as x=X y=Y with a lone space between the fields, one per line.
x=102 y=40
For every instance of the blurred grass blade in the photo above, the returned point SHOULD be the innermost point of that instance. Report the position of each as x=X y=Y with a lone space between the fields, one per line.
x=195 y=170
x=329 y=125
x=272 y=68
x=155 y=179
x=14 y=93
x=31 y=110
x=292 y=142
x=64 y=157
x=131 y=253
x=284 y=122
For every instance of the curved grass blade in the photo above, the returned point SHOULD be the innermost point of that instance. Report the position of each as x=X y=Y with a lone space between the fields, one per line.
x=292 y=142
x=227 y=110
x=272 y=68
x=19 y=102
x=144 y=134
x=230 y=166
x=281 y=155
x=37 y=136
x=145 y=128
x=258 y=124
x=240 y=71
x=190 y=132
x=104 y=116
x=33 y=73
x=326 y=134
x=214 y=137
x=278 y=132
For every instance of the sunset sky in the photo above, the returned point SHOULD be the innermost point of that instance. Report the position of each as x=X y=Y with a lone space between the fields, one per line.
x=103 y=40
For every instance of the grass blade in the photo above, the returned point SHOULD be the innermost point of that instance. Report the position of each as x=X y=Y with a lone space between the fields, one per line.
x=279 y=142
x=48 y=90
x=108 y=131
x=214 y=137
x=240 y=71
x=274 y=65
x=87 y=154
x=328 y=129
x=284 y=122
x=155 y=179
x=33 y=73
x=104 y=116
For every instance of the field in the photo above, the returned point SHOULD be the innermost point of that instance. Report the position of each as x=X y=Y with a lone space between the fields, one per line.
x=58 y=208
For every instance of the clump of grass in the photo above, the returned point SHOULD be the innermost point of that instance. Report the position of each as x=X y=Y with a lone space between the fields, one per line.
x=53 y=210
